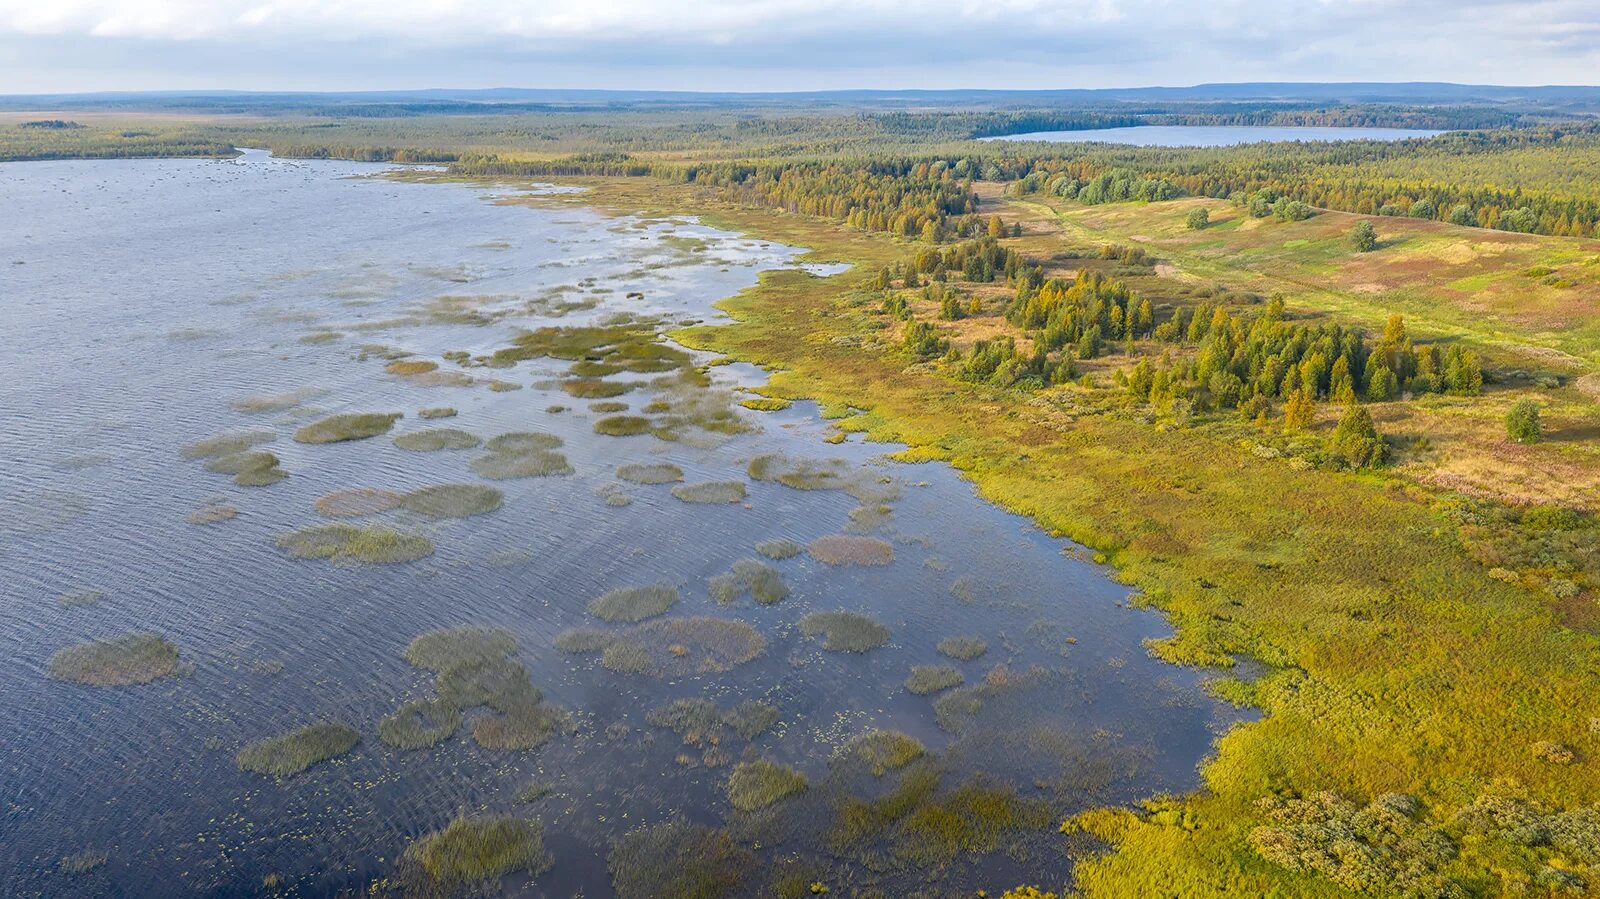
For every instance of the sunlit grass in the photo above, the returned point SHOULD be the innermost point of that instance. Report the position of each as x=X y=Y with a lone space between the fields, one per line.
x=298 y=749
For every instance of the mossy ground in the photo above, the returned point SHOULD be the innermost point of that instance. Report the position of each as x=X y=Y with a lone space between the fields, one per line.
x=371 y=544
x=298 y=749
x=347 y=426
x=134 y=658
x=843 y=631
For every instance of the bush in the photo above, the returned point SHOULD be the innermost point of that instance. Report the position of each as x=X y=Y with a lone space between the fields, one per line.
x=1363 y=238
x=1356 y=439
x=1197 y=219
x=1522 y=422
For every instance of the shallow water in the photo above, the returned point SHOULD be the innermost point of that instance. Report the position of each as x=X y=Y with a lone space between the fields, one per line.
x=141 y=299
x=1215 y=135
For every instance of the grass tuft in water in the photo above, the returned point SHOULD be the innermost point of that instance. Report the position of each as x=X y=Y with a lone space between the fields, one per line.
x=436 y=439
x=79 y=598
x=800 y=474
x=584 y=640
x=752 y=576
x=779 y=549
x=262 y=404
x=80 y=862
x=676 y=647
x=926 y=680
x=298 y=749
x=214 y=512
x=595 y=389
x=656 y=473
x=347 y=426
x=437 y=412
x=419 y=724
x=454 y=500
x=225 y=444
x=963 y=647
x=252 y=468
x=523 y=442
x=406 y=367
x=356 y=502
x=680 y=860
x=699 y=721
x=758 y=784
x=622 y=425
x=845 y=631
x=632 y=604
x=765 y=404
x=135 y=658
x=625 y=657
x=469 y=850
x=371 y=544
x=442 y=649
x=881 y=751
x=608 y=407
x=848 y=549
x=522 y=455
x=710 y=492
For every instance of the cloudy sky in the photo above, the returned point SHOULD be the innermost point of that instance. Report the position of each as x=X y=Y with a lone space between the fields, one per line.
x=78 y=45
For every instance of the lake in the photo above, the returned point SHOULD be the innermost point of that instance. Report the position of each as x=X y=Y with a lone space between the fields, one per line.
x=1214 y=135
x=150 y=306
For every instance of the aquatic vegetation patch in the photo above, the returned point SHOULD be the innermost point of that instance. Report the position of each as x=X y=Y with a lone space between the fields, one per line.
x=436 y=439
x=226 y=444
x=675 y=647
x=586 y=368
x=749 y=576
x=356 y=502
x=213 y=513
x=475 y=669
x=975 y=817
x=509 y=466
x=964 y=648
x=263 y=404
x=699 y=721
x=347 y=426
x=595 y=388
x=298 y=749
x=625 y=657
x=800 y=474
x=371 y=544
x=525 y=724
x=765 y=404
x=454 y=500
x=711 y=492
x=850 y=549
x=133 y=658
x=845 y=631
x=79 y=598
x=251 y=468
x=411 y=367
x=419 y=724
x=678 y=859
x=650 y=473
x=442 y=649
x=437 y=412
x=758 y=784
x=523 y=442
x=622 y=425
x=926 y=680
x=470 y=850
x=80 y=862
x=779 y=549
x=881 y=751
x=632 y=604
x=584 y=640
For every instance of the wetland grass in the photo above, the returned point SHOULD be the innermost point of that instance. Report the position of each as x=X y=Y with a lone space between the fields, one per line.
x=844 y=631
x=521 y=455
x=584 y=640
x=881 y=751
x=800 y=474
x=749 y=576
x=226 y=444
x=622 y=425
x=134 y=658
x=765 y=404
x=471 y=850
x=758 y=784
x=965 y=648
x=356 y=502
x=79 y=598
x=710 y=492
x=925 y=680
x=262 y=404
x=632 y=604
x=849 y=549
x=522 y=725
x=298 y=749
x=347 y=426
x=523 y=442
x=778 y=550
x=408 y=367
x=650 y=473
x=475 y=669
x=251 y=468
x=419 y=724
x=595 y=388
x=437 y=412
x=80 y=862
x=213 y=513
x=454 y=501
x=678 y=859
x=436 y=439
x=371 y=544
x=442 y=649
x=676 y=647
x=699 y=721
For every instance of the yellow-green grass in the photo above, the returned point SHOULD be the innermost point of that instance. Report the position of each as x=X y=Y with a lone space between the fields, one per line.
x=881 y=751
x=126 y=660
x=677 y=858
x=650 y=473
x=779 y=549
x=631 y=604
x=436 y=439
x=849 y=549
x=676 y=647
x=453 y=500
x=251 y=468
x=965 y=648
x=758 y=784
x=419 y=724
x=355 y=502
x=1395 y=663
x=712 y=492
x=347 y=426
x=299 y=749
x=476 y=849
x=371 y=544
x=929 y=679
x=843 y=631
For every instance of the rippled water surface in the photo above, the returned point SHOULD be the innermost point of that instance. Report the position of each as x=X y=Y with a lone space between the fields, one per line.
x=141 y=301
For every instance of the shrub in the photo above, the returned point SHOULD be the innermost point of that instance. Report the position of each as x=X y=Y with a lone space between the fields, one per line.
x=1522 y=422
x=1356 y=439
x=1197 y=219
x=1363 y=238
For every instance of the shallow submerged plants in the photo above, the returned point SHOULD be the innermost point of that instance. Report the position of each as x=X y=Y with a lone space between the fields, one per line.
x=678 y=859
x=699 y=721
x=475 y=669
x=252 y=468
x=298 y=749
x=347 y=426
x=477 y=849
x=135 y=658
x=881 y=751
x=845 y=631
x=419 y=724
x=225 y=444
x=356 y=502
x=372 y=544
x=674 y=647
x=523 y=454
x=963 y=647
x=800 y=474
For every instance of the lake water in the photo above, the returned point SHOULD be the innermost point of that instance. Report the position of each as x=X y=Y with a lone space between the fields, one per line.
x=146 y=305
x=1214 y=135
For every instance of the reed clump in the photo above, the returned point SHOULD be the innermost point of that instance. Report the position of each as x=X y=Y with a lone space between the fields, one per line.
x=298 y=749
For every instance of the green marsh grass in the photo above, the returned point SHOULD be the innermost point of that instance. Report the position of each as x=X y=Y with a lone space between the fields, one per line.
x=595 y=389
x=758 y=784
x=133 y=658
x=347 y=426
x=370 y=544
x=263 y=404
x=251 y=468
x=226 y=444
x=521 y=455
x=79 y=598
x=441 y=649
x=608 y=408
x=622 y=425
x=523 y=442
x=765 y=404
x=700 y=721
x=800 y=474
x=650 y=473
x=419 y=724
x=675 y=647
x=471 y=850
x=436 y=439
x=680 y=860
x=356 y=502
x=844 y=631
x=850 y=549
x=965 y=648
x=749 y=576
x=584 y=640
x=631 y=604
x=298 y=749
x=711 y=492
x=881 y=751
x=535 y=790
x=454 y=500
x=926 y=680
x=213 y=513
x=778 y=550
x=437 y=412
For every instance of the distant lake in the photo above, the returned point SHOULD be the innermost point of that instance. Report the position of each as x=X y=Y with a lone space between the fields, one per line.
x=1214 y=135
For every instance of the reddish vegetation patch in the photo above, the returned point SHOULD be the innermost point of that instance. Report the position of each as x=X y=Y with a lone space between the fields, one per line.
x=845 y=549
x=356 y=502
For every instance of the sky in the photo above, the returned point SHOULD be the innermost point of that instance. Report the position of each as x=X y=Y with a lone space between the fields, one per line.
x=49 y=46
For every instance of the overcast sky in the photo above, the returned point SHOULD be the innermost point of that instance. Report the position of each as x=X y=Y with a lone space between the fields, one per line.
x=79 y=45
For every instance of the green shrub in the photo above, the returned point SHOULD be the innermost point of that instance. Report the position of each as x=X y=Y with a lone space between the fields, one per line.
x=1522 y=422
